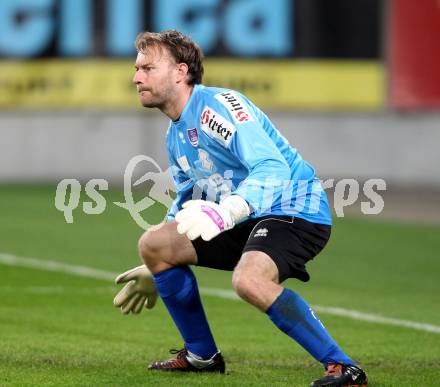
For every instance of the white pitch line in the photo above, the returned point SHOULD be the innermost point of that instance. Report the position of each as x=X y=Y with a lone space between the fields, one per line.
x=58 y=289
x=33 y=263
x=375 y=318
x=84 y=271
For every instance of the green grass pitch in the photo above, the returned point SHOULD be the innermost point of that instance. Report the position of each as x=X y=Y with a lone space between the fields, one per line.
x=62 y=330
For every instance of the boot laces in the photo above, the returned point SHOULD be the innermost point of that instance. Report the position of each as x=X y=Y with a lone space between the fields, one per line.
x=180 y=353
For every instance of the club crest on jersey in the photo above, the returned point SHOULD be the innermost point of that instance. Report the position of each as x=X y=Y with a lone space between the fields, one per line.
x=235 y=105
x=216 y=126
x=193 y=136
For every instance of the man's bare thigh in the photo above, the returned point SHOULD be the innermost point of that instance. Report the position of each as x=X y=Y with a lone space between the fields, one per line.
x=162 y=243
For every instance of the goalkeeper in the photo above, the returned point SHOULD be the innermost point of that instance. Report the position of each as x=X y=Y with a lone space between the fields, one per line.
x=264 y=214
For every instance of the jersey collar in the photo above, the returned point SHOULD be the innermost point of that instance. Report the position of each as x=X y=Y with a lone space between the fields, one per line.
x=195 y=90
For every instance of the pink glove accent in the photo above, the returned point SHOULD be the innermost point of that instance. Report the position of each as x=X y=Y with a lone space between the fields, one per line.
x=215 y=216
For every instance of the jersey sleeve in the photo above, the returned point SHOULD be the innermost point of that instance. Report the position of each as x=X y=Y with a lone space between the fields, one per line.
x=252 y=146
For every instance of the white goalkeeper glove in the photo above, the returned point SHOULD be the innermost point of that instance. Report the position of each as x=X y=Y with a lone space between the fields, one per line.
x=201 y=218
x=139 y=291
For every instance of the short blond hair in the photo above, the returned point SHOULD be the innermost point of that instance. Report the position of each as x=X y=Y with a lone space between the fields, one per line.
x=180 y=47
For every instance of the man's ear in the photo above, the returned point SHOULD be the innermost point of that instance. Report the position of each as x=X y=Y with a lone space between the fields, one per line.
x=182 y=72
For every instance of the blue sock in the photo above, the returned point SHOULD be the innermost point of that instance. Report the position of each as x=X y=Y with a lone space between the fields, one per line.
x=179 y=291
x=291 y=314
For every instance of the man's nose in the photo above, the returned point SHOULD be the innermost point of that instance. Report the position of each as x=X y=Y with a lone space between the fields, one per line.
x=136 y=78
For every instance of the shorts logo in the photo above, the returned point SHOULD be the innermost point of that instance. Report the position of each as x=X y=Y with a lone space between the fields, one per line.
x=193 y=136
x=261 y=232
x=216 y=126
x=235 y=105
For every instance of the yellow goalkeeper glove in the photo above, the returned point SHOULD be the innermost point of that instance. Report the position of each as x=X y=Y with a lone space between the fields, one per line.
x=139 y=291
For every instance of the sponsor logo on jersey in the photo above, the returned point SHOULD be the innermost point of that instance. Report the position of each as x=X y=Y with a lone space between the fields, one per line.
x=193 y=136
x=216 y=126
x=235 y=105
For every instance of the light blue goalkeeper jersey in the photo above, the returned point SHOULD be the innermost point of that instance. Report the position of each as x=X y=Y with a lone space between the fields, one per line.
x=222 y=144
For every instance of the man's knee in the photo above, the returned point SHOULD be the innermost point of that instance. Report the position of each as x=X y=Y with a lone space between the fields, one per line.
x=244 y=284
x=151 y=246
x=162 y=247
x=255 y=279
